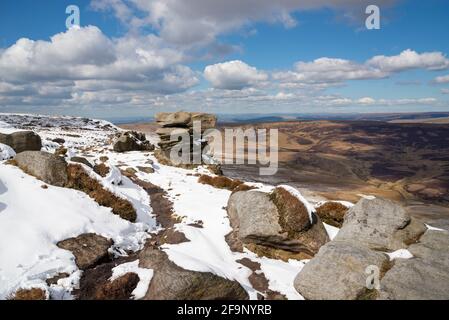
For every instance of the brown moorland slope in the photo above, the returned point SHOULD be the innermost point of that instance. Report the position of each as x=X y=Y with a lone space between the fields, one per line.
x=345 y=159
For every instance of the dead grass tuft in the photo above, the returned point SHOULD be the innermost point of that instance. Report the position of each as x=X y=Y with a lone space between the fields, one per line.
x=220 y=182
x=80 y=180
x=293 y=214
x=61 y=151
x=242 y=187
x=101 y=169
x=332 y=213
x=30 y=294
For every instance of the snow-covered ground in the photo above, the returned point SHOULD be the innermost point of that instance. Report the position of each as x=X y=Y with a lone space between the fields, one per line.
x=34 y=219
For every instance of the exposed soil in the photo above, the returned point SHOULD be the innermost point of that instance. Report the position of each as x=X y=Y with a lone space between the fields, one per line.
x=163 y=209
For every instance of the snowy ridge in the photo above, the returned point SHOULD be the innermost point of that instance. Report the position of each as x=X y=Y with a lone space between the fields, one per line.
x=29 y=230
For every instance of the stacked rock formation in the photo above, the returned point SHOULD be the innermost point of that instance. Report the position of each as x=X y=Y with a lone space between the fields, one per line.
x=175 y=124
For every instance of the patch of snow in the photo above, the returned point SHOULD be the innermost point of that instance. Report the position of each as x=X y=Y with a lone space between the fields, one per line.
x=281 y=275
x=207 y=250
x=400 y=254
x=64 y=287
x=434 y=228
x=7 y=128
x=331 y=230
x=145 y=276
x=6 y=152
x=124 y=188
x=364 y=196
x=114 y=176
x=29 y=230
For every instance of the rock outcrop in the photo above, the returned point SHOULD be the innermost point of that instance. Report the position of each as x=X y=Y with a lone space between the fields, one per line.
x=423 y=277
x=371 y=229
x=43 y=165
x=171 y=282
x=89 y=249
x=380 y=224
x=132 y=141
x=22 y=141
x=337 y=272
x=278 y=224
x=181 y=124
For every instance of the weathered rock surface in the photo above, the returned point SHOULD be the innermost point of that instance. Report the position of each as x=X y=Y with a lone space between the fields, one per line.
x=89 y=249
x=380 y=224
x=132 y=141
x=337 y=272
x=208 y=121
x=423 y=277
x=276 y=225
x=82 y=160
x=171 y=282
x=43 y=165
x=173 y=119
x=59 y=140
x=182 y=119
x=145 y=169
x=95 y=284
x=165 y=133
x=177 y=129
x=22 y=141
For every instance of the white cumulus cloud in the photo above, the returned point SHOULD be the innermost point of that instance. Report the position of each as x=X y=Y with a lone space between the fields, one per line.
x=409 y=59
x=233 y=75
x=442 y=79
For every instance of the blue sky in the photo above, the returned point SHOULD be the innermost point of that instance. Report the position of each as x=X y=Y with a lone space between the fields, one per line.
x=136 y=57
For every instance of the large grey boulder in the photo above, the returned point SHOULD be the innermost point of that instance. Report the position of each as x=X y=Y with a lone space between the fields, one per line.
x=22 y=141
x=275 y=224
x=337 y=272
x=132 y=141
x=44 y=166
x=89 y=249
x=415 y=279
x=171 y=282
x=426 y=275
x=380 y=224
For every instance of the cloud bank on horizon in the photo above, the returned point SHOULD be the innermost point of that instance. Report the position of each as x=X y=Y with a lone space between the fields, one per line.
x=226 y=57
